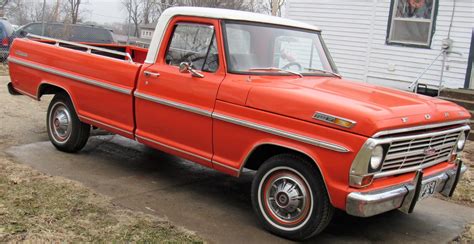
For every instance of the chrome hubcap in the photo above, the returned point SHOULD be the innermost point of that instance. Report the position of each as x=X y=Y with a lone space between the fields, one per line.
x=60 y=123
x=286 y=198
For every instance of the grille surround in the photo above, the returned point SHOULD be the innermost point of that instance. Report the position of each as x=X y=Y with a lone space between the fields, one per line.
x=416 y=152
x=412 y=152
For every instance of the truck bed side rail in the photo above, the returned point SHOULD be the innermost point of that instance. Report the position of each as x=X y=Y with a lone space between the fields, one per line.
x=88 y=48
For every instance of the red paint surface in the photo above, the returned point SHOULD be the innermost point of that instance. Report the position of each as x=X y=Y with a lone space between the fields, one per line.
x=282 y=102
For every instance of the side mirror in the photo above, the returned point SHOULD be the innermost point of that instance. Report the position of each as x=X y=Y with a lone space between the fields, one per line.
x=185 y=67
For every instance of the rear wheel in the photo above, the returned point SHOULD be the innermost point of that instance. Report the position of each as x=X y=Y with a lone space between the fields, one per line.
x=290 y=199
x=65 y=130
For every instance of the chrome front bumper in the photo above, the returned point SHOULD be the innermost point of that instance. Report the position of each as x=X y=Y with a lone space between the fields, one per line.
x=403 y=197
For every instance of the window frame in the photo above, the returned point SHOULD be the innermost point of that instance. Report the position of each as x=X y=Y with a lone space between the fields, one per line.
x=431 y=32
x=214 y=36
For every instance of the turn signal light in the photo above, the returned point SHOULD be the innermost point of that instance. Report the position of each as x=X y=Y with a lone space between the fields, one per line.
x=367 y=180
x=453 y=158
x=343 y=123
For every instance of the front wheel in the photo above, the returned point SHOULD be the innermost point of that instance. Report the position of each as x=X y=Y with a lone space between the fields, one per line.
x=290 y=199
x=65 y=130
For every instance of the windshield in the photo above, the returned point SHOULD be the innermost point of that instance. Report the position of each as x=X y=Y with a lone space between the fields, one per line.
x=254 y=48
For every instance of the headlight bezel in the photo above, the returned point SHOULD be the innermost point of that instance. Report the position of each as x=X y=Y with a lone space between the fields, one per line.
x=462 y=138
x=361 y=169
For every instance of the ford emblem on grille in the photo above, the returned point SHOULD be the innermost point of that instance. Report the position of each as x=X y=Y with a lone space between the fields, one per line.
x=430 y=151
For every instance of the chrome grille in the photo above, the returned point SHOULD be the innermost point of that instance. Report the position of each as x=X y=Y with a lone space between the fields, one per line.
x=406 y=154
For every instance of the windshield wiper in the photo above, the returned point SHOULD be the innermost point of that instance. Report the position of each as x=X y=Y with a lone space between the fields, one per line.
x=277 y=69
x=324 y=71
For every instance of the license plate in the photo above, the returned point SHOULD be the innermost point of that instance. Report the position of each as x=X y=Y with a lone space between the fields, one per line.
x=427 y=189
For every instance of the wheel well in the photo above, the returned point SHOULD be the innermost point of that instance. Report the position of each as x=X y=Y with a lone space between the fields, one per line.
x=45 y=89
x=263 y=152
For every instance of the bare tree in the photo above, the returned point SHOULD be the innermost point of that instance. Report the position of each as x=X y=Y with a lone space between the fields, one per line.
x=23 y=11
x=134 y=8
x=72 y=9
x=276 y=6
x=234 y=4
x=3 y=4
x=148 y=11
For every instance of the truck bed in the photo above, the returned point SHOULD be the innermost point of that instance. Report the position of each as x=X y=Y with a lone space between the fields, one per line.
x=137 y=54
x=102 y=75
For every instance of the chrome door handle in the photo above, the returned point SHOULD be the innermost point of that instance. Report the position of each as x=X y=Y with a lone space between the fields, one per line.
x=151 y=74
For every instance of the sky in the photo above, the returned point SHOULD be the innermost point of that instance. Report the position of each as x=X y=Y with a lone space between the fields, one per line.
x=104 y=11
x=101 y=11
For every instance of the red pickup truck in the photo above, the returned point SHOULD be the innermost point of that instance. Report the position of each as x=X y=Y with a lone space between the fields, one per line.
x=232 y=90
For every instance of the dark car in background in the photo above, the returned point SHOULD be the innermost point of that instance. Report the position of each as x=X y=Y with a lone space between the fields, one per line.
x=6 y=32
x=69 y=32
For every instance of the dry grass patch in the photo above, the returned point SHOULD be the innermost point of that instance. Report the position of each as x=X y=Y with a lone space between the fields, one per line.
x=36 y=207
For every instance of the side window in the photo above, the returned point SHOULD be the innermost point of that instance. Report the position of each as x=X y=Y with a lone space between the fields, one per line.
x=195 y=44
x=411 y=22
x=34 y=29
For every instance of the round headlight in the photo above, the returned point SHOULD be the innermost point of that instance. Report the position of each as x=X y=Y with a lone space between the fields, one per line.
x=376 y=158
x=461 y=141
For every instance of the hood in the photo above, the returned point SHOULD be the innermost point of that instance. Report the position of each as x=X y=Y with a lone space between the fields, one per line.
x=373 y=108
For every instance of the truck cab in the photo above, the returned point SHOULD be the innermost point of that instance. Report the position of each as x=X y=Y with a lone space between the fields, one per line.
x=234 y=90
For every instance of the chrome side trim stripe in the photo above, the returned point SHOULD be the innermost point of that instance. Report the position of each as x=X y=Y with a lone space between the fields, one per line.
x=70 y=76
x=244 y=123
x=226 y=166
x=173 y=148
x=281 y=133
x=422 y=127
x=25 y=93
x=173 y=104
x=104 y=124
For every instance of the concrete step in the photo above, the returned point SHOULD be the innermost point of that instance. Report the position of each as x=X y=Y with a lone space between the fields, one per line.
x=463 y=94
x=467 y=104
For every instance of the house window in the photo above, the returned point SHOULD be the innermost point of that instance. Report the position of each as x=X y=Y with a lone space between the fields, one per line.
x=412 y=22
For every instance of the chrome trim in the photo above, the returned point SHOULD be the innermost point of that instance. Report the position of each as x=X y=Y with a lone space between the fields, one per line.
x=25 y=93
x=240 y=122
x=151 y=74
x=353 y=123
x=173 y=104
x=409 y=169
x=417 y=136
x=359 y=166
x=88 y=47
x=281 y=133
x=421 y=127
x=173 y=148
x=227 y=167
x=366 y=204
x=88 y=81
x=104 y=124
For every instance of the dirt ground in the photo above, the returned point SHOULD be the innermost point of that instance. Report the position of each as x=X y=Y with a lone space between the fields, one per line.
x=37 y=207
x=464 y=193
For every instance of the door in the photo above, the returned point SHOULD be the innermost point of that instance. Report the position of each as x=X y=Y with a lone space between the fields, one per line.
x=173 y=109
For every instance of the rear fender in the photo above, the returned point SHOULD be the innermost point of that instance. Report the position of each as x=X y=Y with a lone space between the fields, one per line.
x=47 y=87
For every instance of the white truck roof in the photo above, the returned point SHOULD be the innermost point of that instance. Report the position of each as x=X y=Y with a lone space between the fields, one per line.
x=214 y=13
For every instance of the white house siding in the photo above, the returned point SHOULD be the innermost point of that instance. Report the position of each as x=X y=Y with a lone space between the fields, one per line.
x=355 y=32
